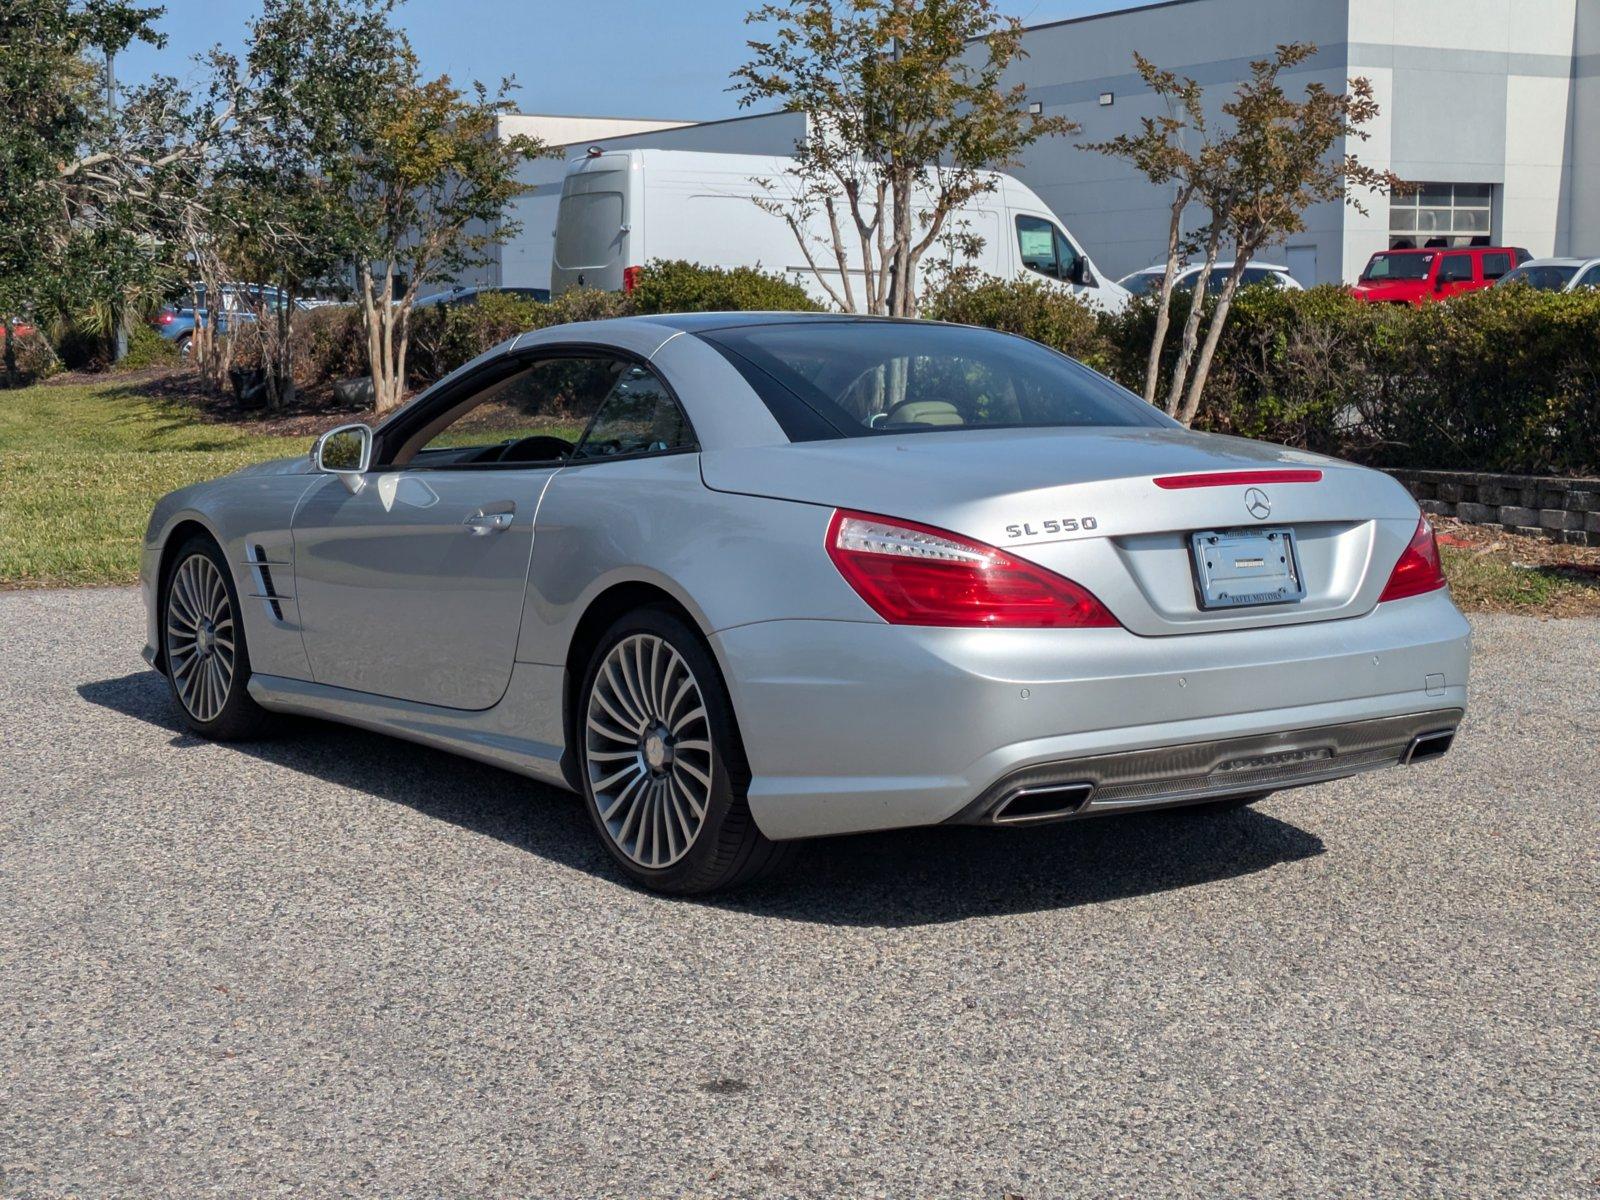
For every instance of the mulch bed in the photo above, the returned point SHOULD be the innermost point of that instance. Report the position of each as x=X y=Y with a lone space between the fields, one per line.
x=1580 y=562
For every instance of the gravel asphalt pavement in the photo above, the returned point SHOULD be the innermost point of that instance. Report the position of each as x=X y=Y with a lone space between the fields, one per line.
x=334 y=964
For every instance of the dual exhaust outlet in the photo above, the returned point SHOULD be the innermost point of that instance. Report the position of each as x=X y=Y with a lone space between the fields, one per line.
x=1056 y=801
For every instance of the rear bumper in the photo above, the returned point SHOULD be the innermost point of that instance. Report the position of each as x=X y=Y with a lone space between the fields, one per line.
x=854 y=726
x=1199 y=772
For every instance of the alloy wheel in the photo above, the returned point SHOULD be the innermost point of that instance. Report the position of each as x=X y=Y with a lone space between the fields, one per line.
x=201 y=654
x=648 y=751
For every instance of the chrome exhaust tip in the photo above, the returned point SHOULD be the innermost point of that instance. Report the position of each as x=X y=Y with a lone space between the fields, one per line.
x=1034 y=805
x=1428 y=745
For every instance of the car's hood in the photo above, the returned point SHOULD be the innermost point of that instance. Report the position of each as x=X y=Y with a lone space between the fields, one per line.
x=1403 y=287
x=300 y=464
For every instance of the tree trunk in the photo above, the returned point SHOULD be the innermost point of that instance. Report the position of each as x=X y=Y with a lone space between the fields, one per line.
x=1158 y=340
x=1219 y=318
x=901 y=301
x=1191 y=327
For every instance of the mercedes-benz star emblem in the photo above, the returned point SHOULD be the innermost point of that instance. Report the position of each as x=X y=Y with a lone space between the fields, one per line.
x=1256 y=501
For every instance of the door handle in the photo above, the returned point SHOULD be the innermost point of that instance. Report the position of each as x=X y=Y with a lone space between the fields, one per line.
x=481 y=522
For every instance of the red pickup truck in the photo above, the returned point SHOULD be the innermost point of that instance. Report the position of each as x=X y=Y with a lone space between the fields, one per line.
x=1415 y=277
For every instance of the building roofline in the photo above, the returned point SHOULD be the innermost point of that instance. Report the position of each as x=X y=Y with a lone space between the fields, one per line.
x=1101 y=16
x=598 y=117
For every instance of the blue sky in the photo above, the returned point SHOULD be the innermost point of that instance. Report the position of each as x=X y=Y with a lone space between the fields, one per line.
x=629 y=58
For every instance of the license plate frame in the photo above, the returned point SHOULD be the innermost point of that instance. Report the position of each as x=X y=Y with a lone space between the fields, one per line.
x=1233 y=568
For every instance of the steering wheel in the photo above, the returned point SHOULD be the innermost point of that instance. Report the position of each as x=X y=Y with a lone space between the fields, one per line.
x=539 y=447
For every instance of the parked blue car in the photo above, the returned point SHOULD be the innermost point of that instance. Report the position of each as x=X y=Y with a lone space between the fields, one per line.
x=240 y=302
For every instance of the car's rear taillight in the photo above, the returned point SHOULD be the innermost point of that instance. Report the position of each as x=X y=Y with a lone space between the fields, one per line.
x=1419 y=569
x=166 y=317
x=630 y=278
x=915 y=574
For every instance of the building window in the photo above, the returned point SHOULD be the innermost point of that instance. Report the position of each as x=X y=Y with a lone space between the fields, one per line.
x=1440 y=215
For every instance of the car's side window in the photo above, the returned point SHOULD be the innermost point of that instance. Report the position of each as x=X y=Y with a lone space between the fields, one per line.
x=532 y=416
x=1497 y=265
x=1589 y=279
x=638 y=416
x=1456 y=268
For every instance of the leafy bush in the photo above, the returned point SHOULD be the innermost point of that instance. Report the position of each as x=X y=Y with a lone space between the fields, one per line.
x=330 y=343
x=677 y=286
x=445 y=337
x=1506 y=379
x=35 y=358
x=147 y=348
x=1295 y=367
x=1034 y=310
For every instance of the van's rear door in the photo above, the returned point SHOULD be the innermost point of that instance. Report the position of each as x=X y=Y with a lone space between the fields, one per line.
x=591 y=237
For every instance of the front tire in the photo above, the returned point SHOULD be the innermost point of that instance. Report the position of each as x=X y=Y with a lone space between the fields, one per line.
x=203 y=645
x=664 y=772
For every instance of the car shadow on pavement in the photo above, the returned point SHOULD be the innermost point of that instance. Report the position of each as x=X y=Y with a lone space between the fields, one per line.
x=904 y=878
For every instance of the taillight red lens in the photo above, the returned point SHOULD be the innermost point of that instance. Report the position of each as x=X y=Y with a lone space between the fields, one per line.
x=1419 y=569
x=166 y=317
x=915 y=574
x=630 y=278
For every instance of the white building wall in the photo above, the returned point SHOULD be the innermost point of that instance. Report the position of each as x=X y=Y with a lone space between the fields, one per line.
x=1480 y=93
x=1118 y=216
x=1580 y=211
x=1472 y=91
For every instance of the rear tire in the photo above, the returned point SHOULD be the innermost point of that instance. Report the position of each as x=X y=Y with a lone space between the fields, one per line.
x=663 y=769
x=203 y=646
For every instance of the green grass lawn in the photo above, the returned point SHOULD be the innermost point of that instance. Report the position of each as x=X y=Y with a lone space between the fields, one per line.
x=81 y=466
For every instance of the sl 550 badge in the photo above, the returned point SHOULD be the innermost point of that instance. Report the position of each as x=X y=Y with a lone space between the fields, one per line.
x=1050 y=528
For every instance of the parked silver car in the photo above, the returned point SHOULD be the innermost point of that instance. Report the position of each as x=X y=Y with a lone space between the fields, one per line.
x=741 y=579
x=1555 y=274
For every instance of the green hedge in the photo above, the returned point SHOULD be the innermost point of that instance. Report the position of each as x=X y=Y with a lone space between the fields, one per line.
x=331 y=343
x=1506 y=379
x=1500 y=380
x=1034 y=310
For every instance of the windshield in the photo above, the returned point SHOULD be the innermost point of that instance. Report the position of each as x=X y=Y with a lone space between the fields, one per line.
x=1398 y=266
x=1546 y=278
x=859 y=378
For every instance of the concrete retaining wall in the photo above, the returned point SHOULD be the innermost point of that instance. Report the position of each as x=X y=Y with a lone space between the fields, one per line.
x=1563 y=510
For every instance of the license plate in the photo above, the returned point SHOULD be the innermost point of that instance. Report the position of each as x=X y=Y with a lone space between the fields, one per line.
x=1242 y=568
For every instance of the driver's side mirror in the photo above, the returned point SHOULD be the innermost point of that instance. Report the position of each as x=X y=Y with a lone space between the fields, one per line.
x=345 y=451
x=1081 y=275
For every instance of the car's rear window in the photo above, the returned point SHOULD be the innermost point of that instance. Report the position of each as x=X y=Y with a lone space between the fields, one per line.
x=1398 y=266
x=832 y=379
x=1143 y=283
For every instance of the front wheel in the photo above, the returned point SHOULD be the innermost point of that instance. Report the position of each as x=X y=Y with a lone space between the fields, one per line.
x=664 y=772
x=203 y=644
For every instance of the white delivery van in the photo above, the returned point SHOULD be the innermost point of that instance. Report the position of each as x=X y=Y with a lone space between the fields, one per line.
x=622 y=209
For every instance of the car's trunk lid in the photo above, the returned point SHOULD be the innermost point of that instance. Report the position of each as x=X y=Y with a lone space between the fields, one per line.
x=1085 y=503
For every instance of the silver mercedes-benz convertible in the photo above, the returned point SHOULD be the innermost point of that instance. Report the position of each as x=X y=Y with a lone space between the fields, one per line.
x=742 y=579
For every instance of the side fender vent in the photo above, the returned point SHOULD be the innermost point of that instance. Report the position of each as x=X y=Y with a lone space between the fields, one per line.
x=261 y=567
